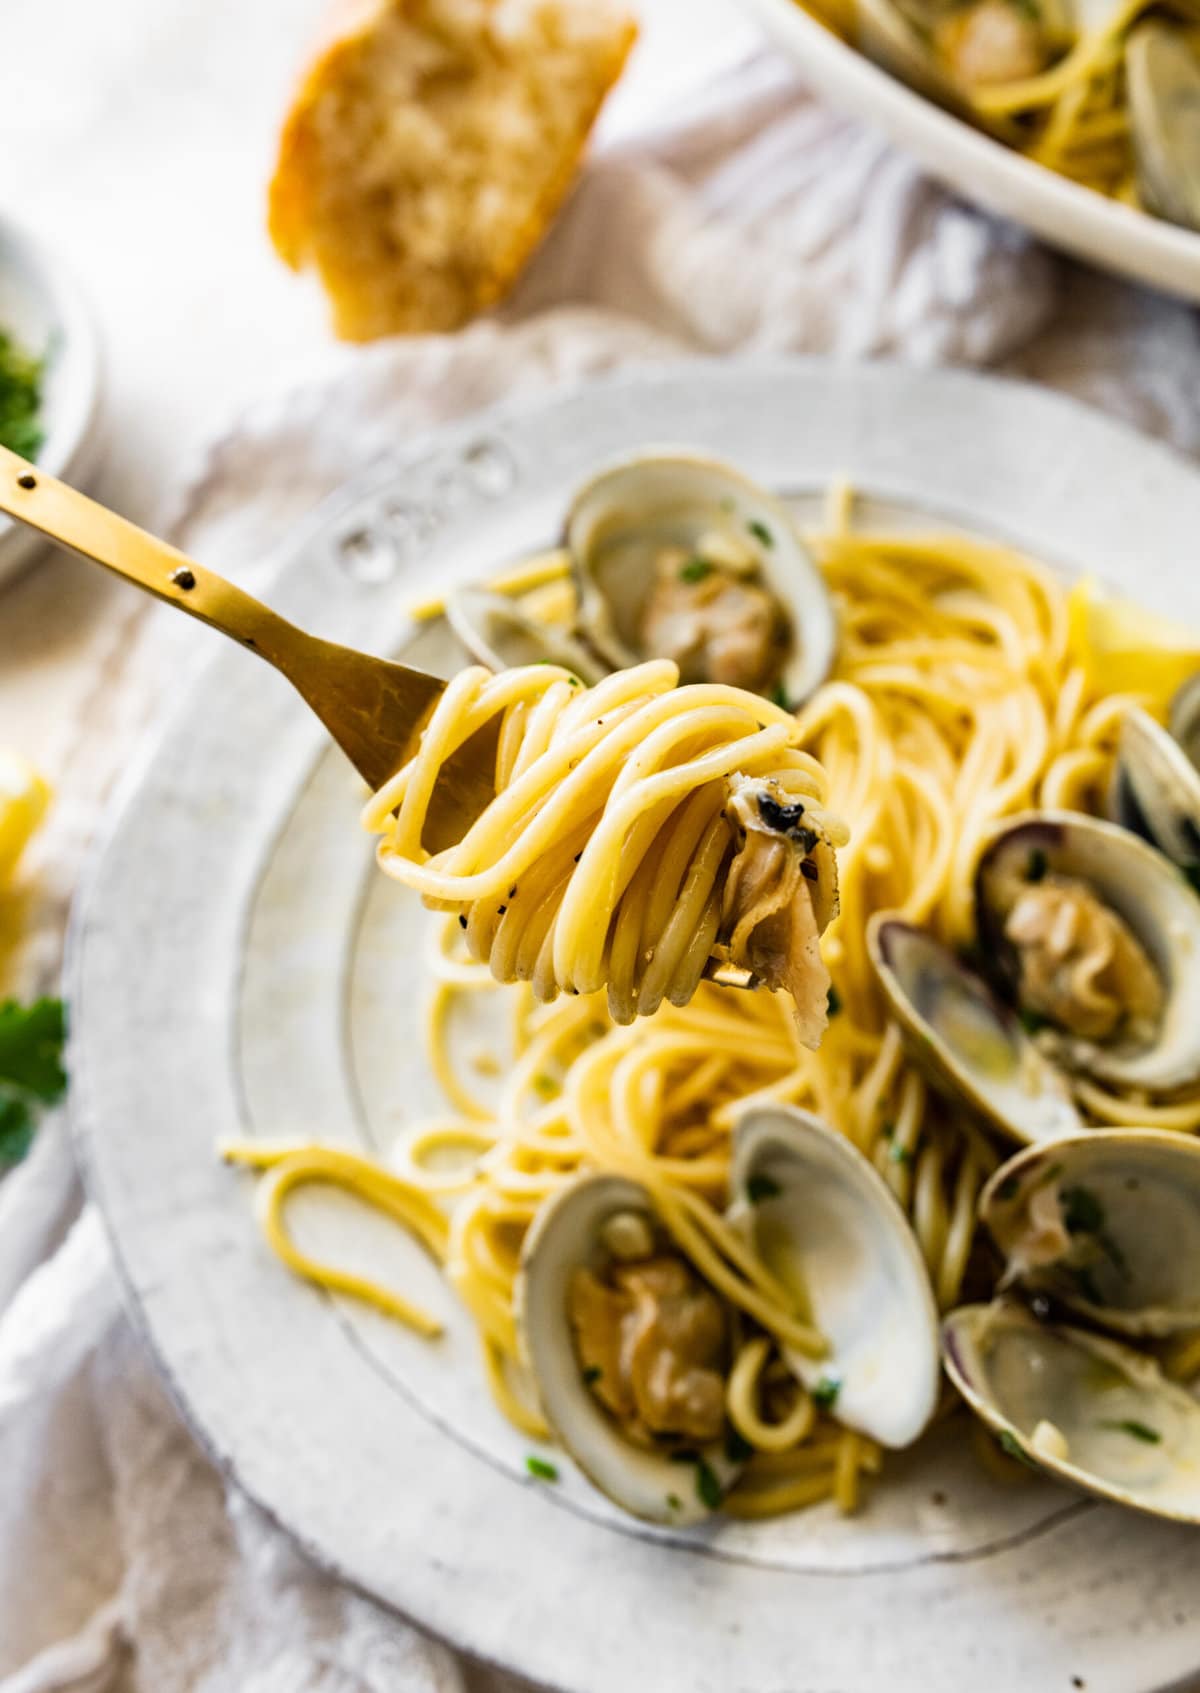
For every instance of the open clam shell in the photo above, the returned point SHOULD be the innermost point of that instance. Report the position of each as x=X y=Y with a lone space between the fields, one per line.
x=944 y=51
x=1162 y=68
x=496 y=632
x=1155 y=904
x=824 y=1221
x=1184 y=718
x=1106 y=1223
x=1156 y=787
x=1087 y=1410
x=968 y=1042
x=891 y=37
x=666 y=523
x=570 y=1235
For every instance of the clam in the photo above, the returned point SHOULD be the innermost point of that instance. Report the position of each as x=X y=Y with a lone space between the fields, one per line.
x=496 y=632
x=1156 y=778
x=1095 y=937
x=826 y=1224
x=1086 y=1409
x=969 y=1043
x=645 y=1424
x=1185 y=719
x=945 y=51
x=1163 y=77
x=1106 y=1223
x=682 y=557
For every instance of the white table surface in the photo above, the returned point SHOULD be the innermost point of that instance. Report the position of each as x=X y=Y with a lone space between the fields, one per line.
x=137 y=137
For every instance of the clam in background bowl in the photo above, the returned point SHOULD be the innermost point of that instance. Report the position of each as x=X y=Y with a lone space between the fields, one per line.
x=1116 y=237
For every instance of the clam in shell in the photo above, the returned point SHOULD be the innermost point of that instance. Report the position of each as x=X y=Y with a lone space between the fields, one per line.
x=1162 y=67
x=1085 y=1409
x=578 y=1294
x=967 y=1041
x=497 y=633
x=681 y=557
x=1095 y=938
x=1106 y=1223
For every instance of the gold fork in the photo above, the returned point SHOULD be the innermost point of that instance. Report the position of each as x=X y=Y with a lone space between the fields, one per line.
x=374 y=709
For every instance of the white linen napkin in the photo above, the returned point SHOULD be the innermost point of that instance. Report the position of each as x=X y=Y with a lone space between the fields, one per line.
x=757 y=220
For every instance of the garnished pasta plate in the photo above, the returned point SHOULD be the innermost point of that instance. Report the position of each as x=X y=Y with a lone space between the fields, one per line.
x=241 y=971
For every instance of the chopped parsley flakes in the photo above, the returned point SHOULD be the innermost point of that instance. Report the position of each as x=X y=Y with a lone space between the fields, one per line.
x=1011 y=1446
x=761 y=532
x=708 y=1485
x=695 y=570
x=760 y=1186
x=826 y=1391
x=737 y=1448
x=31 y=1071
x=1137 y=1431
x=540 y=1469
x=21 y=378
x=1082 y=1212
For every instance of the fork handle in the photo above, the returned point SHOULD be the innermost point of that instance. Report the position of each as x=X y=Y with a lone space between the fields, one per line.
x=70 y=518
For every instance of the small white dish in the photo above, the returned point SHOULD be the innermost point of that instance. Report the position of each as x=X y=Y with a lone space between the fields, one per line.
x=1116 y=237
x=44 y=312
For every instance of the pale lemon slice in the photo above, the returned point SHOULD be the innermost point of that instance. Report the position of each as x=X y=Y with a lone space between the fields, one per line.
x=24 y=796
x=1125 y=649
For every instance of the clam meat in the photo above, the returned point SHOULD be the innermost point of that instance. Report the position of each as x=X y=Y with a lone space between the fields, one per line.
x=680 y=557
x=1107 y=1224
x=630 y=1351
x=1096 y=939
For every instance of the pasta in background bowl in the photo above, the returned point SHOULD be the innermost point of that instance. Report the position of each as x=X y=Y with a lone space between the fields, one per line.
x=1034 y=147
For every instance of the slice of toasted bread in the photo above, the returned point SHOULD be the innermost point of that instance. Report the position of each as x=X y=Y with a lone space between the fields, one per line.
x=430 y=145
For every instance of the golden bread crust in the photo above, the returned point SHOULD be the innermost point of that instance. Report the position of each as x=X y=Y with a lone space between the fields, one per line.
x=429 y=146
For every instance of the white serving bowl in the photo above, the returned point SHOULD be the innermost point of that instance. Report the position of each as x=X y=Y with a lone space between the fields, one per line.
x=1116 y=237
x=42 y=309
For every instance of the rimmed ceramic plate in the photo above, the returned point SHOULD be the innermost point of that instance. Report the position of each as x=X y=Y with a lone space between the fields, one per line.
x=1116 y=237
x=238 y=967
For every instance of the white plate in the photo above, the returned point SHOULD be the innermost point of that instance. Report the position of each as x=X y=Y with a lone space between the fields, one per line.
x=1114 y=236
x=43 y=310
x=238 y=966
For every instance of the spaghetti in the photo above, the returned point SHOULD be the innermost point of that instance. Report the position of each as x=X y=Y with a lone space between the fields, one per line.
x=965 y=689
x=1031 y=74
x=639 y=830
